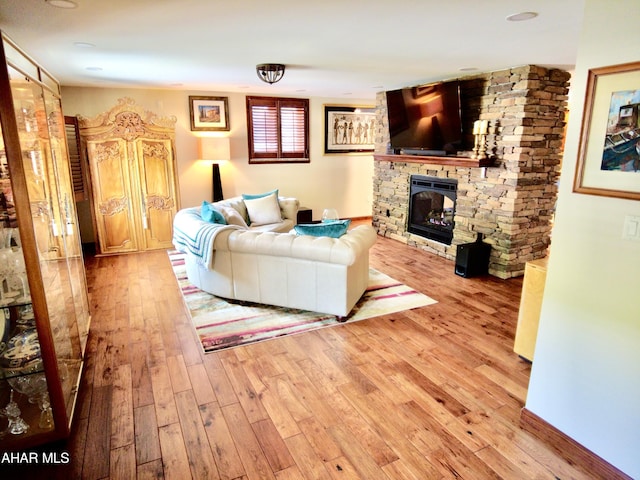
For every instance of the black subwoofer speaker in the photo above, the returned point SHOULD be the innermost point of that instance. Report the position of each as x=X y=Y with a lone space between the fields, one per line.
x=472 y=259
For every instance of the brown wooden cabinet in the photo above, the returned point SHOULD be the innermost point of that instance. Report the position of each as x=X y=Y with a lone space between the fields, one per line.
x=44 y=308
x=133 y=177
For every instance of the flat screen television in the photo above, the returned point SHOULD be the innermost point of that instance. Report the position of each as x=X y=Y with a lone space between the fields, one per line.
x=426 y=120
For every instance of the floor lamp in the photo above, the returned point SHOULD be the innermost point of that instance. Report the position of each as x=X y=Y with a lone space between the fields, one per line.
x=215 y=150
x=216 y=182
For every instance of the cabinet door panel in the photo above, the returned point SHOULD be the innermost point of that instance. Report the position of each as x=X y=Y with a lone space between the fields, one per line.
x=112 y=194
x=157 y=184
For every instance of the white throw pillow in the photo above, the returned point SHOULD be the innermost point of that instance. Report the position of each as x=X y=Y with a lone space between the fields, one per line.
x=232 y=216
x=263 y=210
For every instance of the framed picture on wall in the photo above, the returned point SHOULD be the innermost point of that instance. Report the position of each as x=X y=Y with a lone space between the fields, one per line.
x=609 y=150
x=209 y=113
x=349 y=129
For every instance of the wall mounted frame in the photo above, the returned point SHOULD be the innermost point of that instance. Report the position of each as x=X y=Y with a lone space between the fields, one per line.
x=609 y=150
x=349 y=129
x=209 y=113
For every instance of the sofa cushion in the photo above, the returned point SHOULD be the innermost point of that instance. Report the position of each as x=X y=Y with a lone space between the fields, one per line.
x=263 y=210
x=253 y=196
x=334 y=229
x=288 y=208
x=211 y=214
x=232 y=216
x=284 y=226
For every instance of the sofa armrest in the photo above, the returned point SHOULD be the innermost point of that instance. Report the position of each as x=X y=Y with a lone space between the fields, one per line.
x=289 y=207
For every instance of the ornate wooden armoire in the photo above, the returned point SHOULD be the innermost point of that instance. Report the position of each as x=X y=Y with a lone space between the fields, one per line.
x=134 y=189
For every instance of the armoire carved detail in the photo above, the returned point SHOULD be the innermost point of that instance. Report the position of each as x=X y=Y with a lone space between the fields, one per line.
x=113 y=206
x=131 y=154
x=160 y=203
x=107 y=151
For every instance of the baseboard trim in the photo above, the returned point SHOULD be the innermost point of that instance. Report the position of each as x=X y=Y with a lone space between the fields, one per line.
x=569 y=449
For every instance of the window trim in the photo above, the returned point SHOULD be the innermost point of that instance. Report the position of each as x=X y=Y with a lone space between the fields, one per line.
x=279 y=156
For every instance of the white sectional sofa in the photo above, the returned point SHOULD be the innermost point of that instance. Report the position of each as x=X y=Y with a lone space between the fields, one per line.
x=321 y=274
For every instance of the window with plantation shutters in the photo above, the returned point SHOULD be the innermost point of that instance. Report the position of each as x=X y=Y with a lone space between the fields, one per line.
x=278 y=129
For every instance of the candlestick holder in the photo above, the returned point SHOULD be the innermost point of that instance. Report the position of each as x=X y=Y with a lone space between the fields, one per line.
x=480 y=130
x=482 y=147
x=476 y=145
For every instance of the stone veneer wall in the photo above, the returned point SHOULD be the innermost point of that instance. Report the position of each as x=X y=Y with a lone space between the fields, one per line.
x=511 y=202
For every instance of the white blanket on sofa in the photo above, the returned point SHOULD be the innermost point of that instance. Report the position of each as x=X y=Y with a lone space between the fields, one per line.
x=193 y=235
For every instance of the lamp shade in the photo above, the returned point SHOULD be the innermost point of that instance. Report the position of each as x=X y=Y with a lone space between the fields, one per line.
x=214 y=148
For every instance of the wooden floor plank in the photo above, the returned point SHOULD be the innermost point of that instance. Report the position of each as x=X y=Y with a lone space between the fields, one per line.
x=253 y=459
x=150 y=471
x=221 y=441
x=202 y=389
x=98 y=435
x=307 y=459
x=364 y=464
x=175 y=461
x=163 y=395
x=122 y=408
x=146 y=434
x=195 y=437
x=319 y=438
x=122 y=463
x=247 y=394
x=178 y=373
x=272 y=445
x=140 y=377
x=280 y=416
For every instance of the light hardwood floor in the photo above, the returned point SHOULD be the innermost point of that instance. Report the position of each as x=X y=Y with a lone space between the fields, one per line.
x=429 y=393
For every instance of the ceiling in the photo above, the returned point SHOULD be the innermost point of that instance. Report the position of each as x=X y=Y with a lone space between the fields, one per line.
x=331 y=48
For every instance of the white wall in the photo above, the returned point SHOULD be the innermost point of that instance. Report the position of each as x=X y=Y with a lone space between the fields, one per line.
x=343 y=182
x=585 y=379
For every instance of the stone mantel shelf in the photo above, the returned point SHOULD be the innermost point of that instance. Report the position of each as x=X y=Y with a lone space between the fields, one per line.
x=454 y=161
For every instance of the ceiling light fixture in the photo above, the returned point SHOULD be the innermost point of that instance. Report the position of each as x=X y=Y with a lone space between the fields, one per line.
x=62 y=3
x=522 y=16
x=270 y=72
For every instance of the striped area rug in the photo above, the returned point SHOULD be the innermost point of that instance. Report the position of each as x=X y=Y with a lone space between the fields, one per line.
x=222 y=323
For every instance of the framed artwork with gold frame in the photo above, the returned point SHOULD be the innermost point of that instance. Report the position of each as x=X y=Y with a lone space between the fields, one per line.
x=209 y=113
x=609 y=150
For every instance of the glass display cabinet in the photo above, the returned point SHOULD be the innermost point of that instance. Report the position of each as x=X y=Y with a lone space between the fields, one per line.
x=44 y=309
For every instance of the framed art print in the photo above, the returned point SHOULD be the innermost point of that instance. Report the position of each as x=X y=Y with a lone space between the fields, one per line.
x=209 y=113
x=609 y=150
x=349 y=129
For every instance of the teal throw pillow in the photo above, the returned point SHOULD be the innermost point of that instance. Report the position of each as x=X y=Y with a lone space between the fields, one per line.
x=210 y=214
x=334 y=229
x=253 y=196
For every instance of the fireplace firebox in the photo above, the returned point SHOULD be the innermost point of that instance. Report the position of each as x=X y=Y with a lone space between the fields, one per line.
x=432 y=205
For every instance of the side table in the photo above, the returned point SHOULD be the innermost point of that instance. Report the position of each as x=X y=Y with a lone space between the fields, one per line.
x=305 y=215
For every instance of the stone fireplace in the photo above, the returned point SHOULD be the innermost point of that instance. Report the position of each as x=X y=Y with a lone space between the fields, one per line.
x=511 y=202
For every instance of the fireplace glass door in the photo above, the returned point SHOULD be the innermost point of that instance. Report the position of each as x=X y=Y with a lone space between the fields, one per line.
x=432 y=207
